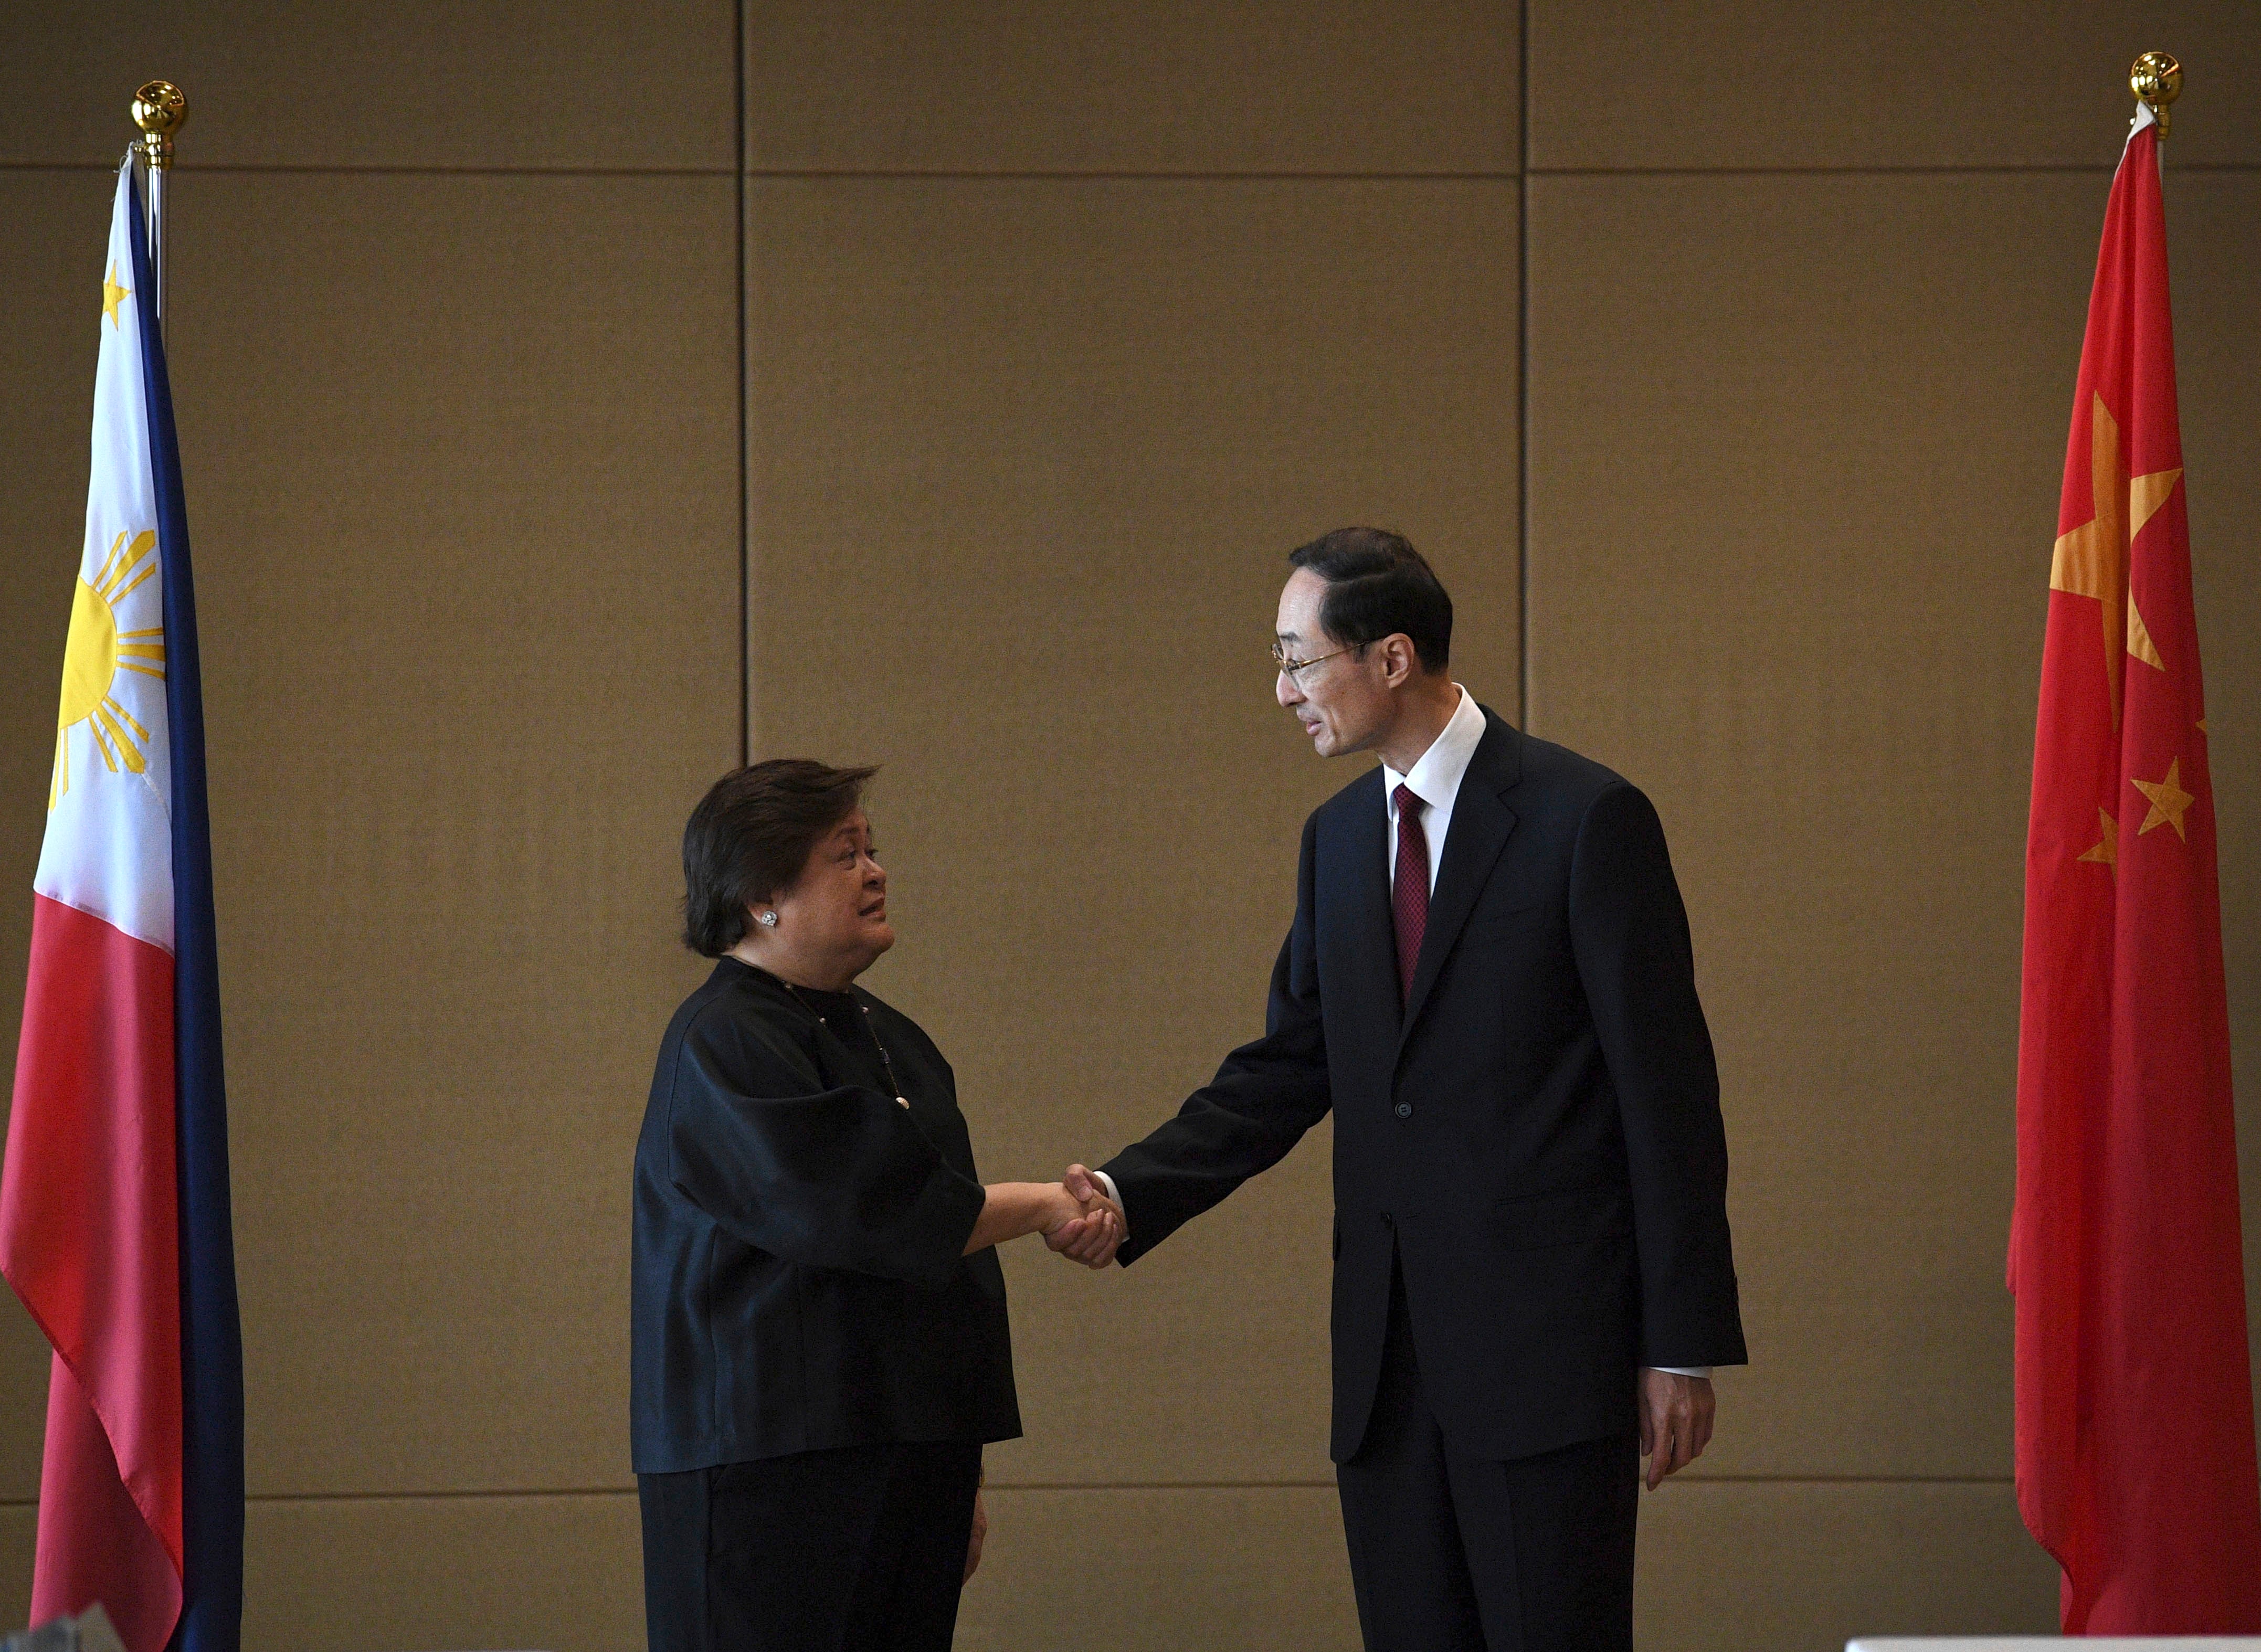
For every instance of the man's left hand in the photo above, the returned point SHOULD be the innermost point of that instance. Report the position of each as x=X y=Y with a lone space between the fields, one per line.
x=1675 y=1421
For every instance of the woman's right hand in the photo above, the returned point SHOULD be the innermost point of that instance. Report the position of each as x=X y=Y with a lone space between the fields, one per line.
x=1090 y=1229
x=1087 y=1230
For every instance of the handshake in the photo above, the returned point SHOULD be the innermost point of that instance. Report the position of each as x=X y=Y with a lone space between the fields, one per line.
x=1080 y=1222
x=1074 y=1215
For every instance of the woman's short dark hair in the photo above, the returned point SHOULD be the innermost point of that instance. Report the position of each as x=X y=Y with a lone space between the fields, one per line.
x=1378 y=585
x=749 y=837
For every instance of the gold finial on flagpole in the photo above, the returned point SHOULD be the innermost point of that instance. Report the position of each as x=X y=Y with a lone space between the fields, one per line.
x=2157 y=79
x=160 y=111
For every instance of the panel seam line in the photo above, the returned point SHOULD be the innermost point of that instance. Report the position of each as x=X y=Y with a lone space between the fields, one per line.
x=507 y=1493
x=1523 y=376
x=745 y=419
x=2012 y=169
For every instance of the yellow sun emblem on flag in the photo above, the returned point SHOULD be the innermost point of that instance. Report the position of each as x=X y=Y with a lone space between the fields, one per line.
x=96 y=652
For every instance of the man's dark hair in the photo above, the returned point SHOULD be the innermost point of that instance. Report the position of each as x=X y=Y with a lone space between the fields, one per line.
x=749 y=837
x=1377 y=585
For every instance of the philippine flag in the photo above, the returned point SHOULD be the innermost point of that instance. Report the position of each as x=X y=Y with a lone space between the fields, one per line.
x=114 y=1224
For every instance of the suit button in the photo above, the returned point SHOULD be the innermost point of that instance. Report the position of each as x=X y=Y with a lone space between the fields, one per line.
x=1404 y=1110
x=1385 y=1219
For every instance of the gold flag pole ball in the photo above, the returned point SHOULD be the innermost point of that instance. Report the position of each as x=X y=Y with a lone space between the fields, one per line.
x=2157 y=79
x=160 y=111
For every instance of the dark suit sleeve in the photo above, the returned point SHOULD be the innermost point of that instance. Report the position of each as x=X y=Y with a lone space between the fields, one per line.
x=830 y=1178
x=1262 y=1100
x=1638 y=966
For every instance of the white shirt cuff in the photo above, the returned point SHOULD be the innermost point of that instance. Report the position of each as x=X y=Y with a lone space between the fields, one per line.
x=1107 y=1186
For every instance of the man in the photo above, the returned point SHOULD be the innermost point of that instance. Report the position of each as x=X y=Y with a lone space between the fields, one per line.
x=1489 y=979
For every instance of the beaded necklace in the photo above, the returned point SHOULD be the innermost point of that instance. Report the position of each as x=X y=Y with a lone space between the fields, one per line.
x=869 y=1026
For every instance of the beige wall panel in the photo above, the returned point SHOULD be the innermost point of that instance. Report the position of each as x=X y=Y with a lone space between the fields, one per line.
x=465 y=514
x=1028 y=457
x=330 y=1574
x=1128 y=87
x=24 y=1361
x=1800 y=1567
x=1795 y=454
x=20 y=1525
x=472 y=599
x=424 y=84
x=1154 y=1569
x=1689 y=84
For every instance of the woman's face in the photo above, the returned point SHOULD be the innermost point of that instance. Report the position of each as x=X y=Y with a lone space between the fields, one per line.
x=833 y=919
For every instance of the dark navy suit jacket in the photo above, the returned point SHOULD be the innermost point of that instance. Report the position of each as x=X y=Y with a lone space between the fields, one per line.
x=1534 y=1139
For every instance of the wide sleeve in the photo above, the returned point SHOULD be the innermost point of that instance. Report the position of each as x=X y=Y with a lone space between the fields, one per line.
x=1264 y=1097
x=830 y=1177
x=1637 y=963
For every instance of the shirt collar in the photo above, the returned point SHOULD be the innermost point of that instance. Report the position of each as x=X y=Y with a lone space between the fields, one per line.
x=1436 y=776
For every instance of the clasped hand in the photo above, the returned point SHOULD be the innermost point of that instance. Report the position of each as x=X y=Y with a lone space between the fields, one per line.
x=1089 y=1226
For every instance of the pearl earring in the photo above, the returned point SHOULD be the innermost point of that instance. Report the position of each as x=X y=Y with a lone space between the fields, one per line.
x=767 y=920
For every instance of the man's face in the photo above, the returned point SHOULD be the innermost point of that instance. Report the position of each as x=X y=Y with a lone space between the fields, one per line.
x=1342 y=702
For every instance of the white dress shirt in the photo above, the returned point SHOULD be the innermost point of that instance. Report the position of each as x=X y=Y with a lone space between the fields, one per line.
x=1435 y=778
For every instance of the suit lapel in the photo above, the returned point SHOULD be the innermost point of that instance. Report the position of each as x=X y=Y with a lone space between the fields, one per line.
x=1361 y=895
x=1480 y=825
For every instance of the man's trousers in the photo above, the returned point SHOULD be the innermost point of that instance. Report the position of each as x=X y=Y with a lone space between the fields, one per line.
x=1450 y=1553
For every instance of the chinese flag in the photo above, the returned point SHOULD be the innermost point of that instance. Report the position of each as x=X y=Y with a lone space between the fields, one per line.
x=2134 y=1404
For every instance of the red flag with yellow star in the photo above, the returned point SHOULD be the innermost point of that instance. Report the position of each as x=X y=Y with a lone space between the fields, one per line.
x=2134 y=1401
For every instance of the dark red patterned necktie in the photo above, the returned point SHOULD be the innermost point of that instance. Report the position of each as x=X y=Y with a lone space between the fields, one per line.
x=1408 y=892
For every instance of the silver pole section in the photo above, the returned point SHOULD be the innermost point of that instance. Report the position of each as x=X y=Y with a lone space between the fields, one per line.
x=160 y=111
x=156 y=228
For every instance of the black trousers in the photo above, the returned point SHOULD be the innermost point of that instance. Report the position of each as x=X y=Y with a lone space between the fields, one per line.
x=851 y=1550
x=1450 y=1553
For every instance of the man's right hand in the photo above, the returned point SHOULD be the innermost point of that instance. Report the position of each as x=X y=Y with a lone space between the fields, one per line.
x=1088 y=1239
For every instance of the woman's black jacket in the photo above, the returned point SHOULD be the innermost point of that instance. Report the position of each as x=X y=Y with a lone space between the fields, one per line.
x=798 y=1276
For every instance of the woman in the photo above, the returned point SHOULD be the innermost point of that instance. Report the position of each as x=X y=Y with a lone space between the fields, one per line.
x=819 y=1347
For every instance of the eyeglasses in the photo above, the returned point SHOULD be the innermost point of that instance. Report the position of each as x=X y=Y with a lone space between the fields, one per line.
x=1293 y=669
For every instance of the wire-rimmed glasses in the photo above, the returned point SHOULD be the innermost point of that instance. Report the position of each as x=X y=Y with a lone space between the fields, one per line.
x=1293 y=669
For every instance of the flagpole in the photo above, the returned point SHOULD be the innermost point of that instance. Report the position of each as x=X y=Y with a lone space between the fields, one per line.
x=160 y=111
x=2156 y=80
